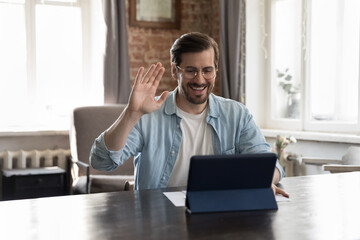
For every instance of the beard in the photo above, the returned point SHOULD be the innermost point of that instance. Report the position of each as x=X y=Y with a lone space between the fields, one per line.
x=197 y=99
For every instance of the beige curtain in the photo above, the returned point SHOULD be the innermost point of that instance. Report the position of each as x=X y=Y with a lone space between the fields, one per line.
x=232 y=49
x=116 y=59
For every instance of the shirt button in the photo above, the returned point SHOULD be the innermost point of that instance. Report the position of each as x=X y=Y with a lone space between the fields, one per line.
x=163 y=178
x=172 y=152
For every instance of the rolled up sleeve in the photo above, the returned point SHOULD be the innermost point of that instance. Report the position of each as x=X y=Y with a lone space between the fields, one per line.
x=101 y=158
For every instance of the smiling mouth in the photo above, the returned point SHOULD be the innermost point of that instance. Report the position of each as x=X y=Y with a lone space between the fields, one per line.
x=197 y=87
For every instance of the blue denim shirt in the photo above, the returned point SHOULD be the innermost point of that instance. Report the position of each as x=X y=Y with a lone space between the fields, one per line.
x=155 y=140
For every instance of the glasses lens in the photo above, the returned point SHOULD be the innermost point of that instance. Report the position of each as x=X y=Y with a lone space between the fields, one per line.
x=209 y=73
x=190 y=73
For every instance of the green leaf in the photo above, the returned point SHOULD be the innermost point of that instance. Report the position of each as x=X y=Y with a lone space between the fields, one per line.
x=288 y=77
x=287 y=87
x=280 y=75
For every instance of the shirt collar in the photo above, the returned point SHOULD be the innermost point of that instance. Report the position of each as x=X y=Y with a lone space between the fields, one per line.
x=170 y=103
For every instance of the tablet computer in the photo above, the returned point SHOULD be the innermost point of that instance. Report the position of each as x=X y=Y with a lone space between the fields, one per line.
x=231 y=182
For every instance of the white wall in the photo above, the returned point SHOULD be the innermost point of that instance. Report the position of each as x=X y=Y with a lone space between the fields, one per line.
x=30 y=141
x=320 y=149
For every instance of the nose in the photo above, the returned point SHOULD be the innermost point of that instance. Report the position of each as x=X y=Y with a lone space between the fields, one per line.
x=199 y=78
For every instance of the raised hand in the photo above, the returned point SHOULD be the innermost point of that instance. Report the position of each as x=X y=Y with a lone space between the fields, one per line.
x=141 y=101
x=142 y=97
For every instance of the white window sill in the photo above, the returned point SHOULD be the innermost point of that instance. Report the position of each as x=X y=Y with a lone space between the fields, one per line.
x=34 y=133
x=314 y=136
x=271 y=133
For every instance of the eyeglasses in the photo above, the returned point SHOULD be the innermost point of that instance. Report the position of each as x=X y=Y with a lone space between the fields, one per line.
x=191 y=72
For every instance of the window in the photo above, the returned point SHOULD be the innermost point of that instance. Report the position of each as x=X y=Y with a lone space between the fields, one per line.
x=51 y=61
x=314 y=65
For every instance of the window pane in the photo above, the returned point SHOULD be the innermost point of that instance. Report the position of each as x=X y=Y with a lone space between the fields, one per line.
x=59 y=1
x=12 y=1
x=46 y=66
x=59 y=61
x=13 y=80
x=286 y=56
x=334 y=60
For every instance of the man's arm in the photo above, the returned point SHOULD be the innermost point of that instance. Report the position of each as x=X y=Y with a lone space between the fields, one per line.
x=275 y=181
x=141 y=101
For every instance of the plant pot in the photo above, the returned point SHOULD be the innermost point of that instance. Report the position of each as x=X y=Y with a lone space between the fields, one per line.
x=293 y=105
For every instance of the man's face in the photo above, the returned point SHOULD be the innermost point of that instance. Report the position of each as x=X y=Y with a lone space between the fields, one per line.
x=196 y=90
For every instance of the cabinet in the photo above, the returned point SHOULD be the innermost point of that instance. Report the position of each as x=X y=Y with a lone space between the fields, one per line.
x=33 y=183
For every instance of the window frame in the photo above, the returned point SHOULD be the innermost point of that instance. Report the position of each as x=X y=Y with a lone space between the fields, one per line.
x=90 y=78
x=304 y=123
x=30 y=16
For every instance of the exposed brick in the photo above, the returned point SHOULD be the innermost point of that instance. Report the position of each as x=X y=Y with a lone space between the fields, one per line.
x=149 y=45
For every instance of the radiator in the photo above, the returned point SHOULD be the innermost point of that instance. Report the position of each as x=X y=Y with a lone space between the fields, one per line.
x=34 y=158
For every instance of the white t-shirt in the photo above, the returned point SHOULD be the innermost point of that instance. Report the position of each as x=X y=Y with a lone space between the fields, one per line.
x=196 y=140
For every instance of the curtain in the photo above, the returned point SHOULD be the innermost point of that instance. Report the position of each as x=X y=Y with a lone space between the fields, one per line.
x=116 y=60
x=232 y=49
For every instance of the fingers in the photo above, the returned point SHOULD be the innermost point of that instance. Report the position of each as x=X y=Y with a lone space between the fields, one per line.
x=139 y=75
x=148 y=74
x=162 y=97
x=278 y=190
x=282 y=192
x=155 y=72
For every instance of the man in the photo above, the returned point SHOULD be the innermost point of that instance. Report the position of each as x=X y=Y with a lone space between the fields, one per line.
x=162 y=133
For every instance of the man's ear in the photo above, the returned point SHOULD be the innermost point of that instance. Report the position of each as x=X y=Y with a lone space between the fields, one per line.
x=173 y=71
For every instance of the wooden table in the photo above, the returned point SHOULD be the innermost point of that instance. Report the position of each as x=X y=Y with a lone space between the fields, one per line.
x=321 y=207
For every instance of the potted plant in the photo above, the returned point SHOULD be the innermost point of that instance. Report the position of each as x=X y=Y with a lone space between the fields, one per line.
x=279 y=147
x=292 y=90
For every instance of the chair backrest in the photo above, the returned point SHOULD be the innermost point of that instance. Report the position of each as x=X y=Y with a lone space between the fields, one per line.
x=88 y=123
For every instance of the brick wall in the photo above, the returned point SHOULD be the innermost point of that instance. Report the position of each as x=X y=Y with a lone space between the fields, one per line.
x=150 y=45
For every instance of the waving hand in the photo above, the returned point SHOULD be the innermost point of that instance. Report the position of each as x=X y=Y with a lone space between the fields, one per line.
x=142 y=97
x=141 y=101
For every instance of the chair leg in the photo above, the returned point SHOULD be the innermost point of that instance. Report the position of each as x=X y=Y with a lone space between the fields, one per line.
x=129 y=186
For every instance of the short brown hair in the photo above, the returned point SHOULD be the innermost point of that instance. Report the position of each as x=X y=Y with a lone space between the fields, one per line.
x=193 y=42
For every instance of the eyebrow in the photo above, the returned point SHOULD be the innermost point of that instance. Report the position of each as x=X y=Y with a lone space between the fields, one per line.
x=191 y=67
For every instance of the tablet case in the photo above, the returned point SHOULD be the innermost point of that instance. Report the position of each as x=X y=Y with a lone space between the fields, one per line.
x=218 y=183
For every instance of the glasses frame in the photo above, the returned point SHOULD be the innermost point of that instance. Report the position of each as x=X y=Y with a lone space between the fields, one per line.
x=199 y=70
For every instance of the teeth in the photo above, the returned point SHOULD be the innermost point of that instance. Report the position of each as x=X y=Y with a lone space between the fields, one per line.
x=198 y=88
